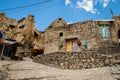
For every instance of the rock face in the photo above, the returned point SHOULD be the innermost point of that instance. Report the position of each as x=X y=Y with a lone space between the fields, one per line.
x=77 y=60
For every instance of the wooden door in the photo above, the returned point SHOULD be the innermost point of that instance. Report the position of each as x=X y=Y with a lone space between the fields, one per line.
x=75 y=46
x=74 y=42
x=69 y=46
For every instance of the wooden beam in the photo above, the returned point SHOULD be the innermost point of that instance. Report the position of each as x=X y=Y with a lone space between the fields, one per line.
x=2 y=51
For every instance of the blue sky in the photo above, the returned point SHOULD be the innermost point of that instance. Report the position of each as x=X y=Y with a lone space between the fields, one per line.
x=70 y=10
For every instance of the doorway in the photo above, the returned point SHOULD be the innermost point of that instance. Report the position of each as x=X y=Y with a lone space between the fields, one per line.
x=119 y=37
x=72 y=45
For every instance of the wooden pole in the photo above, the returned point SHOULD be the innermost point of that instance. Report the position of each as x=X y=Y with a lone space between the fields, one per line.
x=112 y=12
x=30 y=54
x=2 y=51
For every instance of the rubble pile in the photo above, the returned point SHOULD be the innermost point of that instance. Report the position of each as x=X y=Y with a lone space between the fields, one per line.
x=75 y=60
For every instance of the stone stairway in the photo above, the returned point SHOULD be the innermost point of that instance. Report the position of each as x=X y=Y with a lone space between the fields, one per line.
x=115 y=71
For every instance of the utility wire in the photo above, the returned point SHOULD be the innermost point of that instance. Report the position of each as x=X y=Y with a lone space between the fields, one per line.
x=46 y=1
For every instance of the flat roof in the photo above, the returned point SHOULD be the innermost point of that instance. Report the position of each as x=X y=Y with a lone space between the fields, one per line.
x=105 y=20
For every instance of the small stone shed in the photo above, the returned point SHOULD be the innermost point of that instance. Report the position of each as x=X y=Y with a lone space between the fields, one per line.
x=88 y=35
x=8 y=48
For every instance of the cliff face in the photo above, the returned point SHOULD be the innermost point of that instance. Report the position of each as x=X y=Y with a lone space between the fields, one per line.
x=22 y=31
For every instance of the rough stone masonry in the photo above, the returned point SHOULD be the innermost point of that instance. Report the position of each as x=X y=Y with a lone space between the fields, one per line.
x=77 y=60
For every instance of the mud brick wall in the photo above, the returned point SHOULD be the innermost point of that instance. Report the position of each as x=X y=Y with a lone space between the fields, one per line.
x=77 y=60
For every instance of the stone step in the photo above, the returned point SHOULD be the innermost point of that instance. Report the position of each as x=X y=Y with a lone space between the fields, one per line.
x=116 y=73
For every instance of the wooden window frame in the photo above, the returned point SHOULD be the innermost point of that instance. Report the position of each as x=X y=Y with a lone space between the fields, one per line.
x=104 y=31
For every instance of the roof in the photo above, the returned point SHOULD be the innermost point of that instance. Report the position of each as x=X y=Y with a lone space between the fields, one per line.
x=21 y=19
x=105 y=20
x=58 y=23
x=9 y=42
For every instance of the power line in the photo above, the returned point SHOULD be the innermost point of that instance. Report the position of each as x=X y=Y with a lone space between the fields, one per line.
x=46 y=1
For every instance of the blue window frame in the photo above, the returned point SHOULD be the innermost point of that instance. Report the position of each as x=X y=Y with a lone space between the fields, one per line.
x=104 y=32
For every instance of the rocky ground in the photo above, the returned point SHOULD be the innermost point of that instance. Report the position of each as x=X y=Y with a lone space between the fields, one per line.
x=29 y=70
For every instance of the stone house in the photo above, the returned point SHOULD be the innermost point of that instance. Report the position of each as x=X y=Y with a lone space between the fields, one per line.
x=27 y=34
x=88 y=35
x=23 y=31
x=99 y=35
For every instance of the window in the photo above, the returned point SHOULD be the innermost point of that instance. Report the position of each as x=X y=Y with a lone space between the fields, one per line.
x=21 y=26
x=12 y=26
x=36 y=34
x=11 y=23
x=61 y=34
x=60 y=18
x=104 y=31
x=57 y=21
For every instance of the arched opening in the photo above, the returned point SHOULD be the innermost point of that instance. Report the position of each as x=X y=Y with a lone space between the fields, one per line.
x=119 y=37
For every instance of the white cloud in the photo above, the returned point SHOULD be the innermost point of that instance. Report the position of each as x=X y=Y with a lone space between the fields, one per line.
x=67 y=2
x=86 y=5
x=105 y=3
x=96 y=1
x=69 y=22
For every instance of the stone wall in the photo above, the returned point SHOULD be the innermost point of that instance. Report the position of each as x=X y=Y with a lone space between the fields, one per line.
x=78 y=60
x=117 y=26
x=83 y=31
x=113 y=40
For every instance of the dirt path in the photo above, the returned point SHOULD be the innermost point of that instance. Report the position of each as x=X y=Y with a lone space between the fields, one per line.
x=28 y=70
